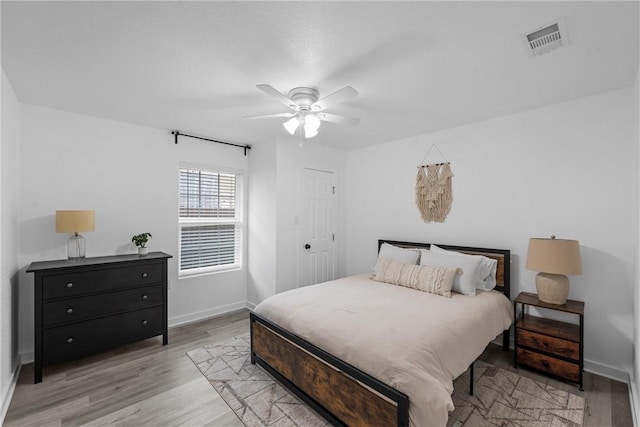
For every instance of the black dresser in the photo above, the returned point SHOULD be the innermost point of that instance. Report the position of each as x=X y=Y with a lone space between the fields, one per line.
x=83 y=307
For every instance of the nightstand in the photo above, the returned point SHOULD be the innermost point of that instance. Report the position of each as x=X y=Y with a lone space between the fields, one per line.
x=547 y=345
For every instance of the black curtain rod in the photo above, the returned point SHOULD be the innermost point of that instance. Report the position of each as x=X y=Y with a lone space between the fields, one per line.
x=176 y=133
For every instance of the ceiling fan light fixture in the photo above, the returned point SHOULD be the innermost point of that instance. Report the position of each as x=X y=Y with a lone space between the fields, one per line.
x=309 y=132
x=311 y=121
x=291 y=125
x=308 y=108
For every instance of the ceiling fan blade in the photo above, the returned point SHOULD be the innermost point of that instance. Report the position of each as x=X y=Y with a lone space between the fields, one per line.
x=270 y=90
x=335 y=98
x=268 y=116
x=343 y=120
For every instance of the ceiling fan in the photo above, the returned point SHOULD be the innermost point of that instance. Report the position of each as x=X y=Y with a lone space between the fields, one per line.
x=308 y=108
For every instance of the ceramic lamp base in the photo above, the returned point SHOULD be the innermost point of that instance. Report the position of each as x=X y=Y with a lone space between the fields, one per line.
x=552 y=288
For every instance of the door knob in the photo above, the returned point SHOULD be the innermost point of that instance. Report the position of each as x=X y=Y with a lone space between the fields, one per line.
x=307 y=246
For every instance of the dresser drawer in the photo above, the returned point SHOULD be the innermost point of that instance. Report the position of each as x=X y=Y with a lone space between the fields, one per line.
x=83 y=308
x=86 y=337
x=79 y=283
x=552 y=345
x=560 y=368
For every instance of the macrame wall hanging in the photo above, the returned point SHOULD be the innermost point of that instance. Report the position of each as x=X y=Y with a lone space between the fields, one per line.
x=433 y=189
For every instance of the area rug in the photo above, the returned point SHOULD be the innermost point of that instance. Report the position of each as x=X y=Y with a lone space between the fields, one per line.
x=501 y=398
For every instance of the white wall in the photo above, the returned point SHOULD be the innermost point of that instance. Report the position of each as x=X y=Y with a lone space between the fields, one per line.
x=9 y=213
x=274 y=209
x=129 y=175
x=566 y=170
x=292 y=159
x=261 y=280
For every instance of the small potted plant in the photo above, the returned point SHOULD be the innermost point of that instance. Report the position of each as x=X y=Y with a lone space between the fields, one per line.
x=140 y=241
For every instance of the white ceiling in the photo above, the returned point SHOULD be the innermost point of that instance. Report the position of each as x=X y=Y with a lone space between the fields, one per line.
x=419 y=66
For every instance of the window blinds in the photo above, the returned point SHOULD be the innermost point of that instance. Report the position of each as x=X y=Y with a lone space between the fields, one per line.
x=210 y=227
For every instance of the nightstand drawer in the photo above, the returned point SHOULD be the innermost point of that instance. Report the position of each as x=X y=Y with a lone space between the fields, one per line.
x=72 y=284
x=83 y=308
x=87 y=337
x=560 y=368
x=557 y=346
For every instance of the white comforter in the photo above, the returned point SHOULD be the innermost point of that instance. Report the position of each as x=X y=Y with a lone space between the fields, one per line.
x=413 y=341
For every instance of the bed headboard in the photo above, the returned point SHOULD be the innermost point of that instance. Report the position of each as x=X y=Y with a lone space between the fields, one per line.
x=503 y=256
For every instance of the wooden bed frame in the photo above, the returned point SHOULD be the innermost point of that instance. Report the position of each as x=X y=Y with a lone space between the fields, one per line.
x=341 y=393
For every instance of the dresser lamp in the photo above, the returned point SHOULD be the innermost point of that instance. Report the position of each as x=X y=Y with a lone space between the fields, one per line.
x=554 y=259
x=75 y=222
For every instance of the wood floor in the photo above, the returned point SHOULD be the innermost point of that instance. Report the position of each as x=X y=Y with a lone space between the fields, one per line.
x=147 y=384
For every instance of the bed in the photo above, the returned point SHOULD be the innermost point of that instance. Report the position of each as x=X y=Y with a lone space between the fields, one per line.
x=361 y=352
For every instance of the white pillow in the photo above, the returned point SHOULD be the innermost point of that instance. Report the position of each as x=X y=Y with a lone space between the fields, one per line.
x=486 y=272
x=465 y=282
x=407 y=256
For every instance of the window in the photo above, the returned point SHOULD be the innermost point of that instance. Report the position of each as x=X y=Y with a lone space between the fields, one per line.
x=210 y=221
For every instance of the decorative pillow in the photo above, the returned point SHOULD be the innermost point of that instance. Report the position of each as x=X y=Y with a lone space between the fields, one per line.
x=464 y=283
x=409 y=256
x=433 y=279
x=486 y=273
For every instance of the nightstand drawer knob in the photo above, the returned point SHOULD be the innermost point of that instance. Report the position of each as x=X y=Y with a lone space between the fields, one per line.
x=144 y=297
x=545 y=343
x=70 y=340
x=70 y=285
x=144 y=322
x=69 y=310
x=545 y=363
x=145 y=274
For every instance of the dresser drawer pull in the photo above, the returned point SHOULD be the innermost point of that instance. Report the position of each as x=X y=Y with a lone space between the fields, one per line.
x=144 y=322
x=545 y=343
x=144 y=297
x=70 y=285
x=70 y=340
x=545 y=363
x=69 y=310
x=145 y=274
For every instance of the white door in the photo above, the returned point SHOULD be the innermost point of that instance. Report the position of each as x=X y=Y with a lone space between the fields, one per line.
x=317 y=227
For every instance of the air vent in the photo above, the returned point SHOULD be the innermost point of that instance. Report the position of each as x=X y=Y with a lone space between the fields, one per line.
x=545 y=39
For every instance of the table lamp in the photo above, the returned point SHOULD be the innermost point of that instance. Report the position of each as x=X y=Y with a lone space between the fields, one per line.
x=75 y=222
x=553 y=259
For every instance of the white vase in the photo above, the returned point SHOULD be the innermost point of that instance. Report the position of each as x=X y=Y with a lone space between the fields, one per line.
x=143 y=251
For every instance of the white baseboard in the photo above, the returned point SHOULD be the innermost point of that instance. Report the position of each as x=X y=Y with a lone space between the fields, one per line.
x=633 y=400
x=26 y=358
x=206 y=314
x=251 y=306
x=607 y=371
x=6 y=399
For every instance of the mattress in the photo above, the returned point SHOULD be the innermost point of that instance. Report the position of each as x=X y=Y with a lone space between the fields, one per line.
x=413 y=341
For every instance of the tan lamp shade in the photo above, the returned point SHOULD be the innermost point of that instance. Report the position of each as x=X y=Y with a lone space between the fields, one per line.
x=553 y=259
x=75 y=221
x=555 y=256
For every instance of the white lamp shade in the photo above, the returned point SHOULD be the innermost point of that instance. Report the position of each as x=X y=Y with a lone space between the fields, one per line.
x=75 y=221
x=311 y=122
x=291 y=125
x=310 y=132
